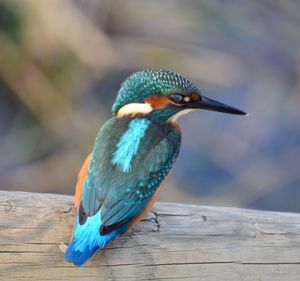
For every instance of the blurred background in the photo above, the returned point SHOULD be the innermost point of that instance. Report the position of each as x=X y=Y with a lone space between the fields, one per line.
x=62 y=62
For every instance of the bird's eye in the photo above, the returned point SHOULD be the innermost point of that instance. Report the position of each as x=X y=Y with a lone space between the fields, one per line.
x=176 y=98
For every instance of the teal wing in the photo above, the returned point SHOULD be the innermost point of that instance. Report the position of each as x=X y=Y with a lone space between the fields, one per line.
x=123 y=189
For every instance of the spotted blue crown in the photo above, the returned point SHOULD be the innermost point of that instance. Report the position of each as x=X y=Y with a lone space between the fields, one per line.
x=140 y=85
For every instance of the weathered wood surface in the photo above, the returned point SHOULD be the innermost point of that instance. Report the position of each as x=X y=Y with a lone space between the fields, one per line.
x=175 y=242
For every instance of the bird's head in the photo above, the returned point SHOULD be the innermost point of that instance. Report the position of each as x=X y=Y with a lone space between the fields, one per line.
x=163 y=95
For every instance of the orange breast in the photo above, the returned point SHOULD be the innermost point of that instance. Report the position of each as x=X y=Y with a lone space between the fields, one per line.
x=80 y=181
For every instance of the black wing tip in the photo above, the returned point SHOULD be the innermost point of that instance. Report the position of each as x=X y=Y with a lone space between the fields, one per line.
x=105 y=229
x=82 y=214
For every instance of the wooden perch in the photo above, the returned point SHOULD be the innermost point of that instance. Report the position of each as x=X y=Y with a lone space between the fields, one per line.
x=174 y=242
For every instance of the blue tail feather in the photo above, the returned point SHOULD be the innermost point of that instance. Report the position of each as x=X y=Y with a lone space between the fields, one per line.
x=77 y=257
x=87 y=239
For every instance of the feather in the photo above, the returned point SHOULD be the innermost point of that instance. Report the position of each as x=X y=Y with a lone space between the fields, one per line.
x=80 y=181
x=87 y=239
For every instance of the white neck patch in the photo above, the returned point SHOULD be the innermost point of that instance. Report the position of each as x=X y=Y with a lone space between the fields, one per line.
x=179 y=114
x=134 y=108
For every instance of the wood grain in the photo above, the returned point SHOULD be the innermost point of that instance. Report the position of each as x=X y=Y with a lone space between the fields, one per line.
x=174 y=242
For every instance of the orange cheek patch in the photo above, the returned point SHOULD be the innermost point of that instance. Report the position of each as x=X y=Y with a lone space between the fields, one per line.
x=194 y=97
x=157 y=102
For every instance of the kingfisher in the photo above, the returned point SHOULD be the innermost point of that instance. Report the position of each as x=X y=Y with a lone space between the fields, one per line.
x=133 y=153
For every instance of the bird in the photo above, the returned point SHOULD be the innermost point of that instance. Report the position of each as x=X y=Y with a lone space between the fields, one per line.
x=133 y=153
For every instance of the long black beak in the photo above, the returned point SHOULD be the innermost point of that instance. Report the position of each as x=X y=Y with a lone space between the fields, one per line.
x=209 y=104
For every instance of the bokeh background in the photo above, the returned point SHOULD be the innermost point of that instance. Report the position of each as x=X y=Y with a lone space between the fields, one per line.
x=61 y=64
